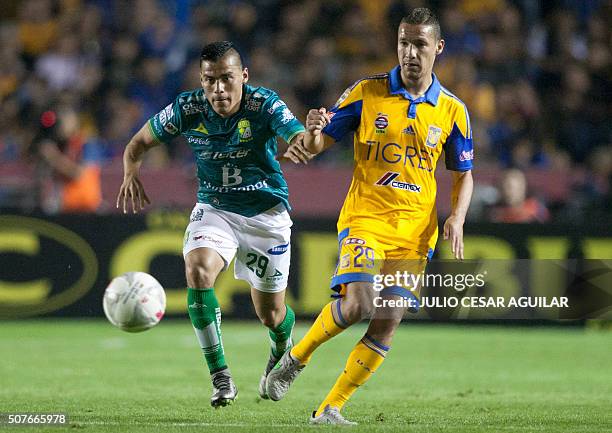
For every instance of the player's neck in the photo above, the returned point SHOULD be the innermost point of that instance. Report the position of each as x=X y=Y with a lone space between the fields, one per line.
x=417 y=88
x=229 y=113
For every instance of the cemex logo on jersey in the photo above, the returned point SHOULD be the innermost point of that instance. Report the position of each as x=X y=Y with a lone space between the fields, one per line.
x=388 y=179
x=278 y=250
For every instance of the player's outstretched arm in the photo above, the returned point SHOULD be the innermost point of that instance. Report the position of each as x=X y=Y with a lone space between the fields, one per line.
x=296 y=151
x=314 y=140
x=463 y=184
x=132 y=159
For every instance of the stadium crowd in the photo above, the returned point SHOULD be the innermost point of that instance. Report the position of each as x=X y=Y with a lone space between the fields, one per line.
x=535 y=75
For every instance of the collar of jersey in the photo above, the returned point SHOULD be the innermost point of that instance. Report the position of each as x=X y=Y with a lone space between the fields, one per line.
x=397 y=88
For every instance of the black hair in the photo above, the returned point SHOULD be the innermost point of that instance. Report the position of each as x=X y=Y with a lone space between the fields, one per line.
x=426 y=17
x=215 y=50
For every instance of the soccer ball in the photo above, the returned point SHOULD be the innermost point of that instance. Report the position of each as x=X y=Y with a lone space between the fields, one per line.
x=134 y=302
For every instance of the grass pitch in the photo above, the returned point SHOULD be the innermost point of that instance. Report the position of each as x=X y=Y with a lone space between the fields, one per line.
x=435 y=379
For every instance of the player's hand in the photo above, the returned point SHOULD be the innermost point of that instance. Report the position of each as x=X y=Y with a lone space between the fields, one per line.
x=316 y=120
x=296 y=151
x=453 y=230
x=132 y=188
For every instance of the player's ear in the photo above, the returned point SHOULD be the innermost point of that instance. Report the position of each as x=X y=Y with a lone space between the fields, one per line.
x=440 y=47
x=245 y=75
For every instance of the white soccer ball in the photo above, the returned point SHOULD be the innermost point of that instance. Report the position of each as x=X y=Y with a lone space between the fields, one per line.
x=134 y=302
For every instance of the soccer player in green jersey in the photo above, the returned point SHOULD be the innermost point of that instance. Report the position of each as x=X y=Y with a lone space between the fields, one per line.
x=242 y=207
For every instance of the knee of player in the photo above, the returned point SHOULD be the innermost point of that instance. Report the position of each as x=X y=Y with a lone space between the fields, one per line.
x=268 y=318
x=383 y=330
x=200 y=274
x=367 y=309
x=354 y=310
x=203 y=265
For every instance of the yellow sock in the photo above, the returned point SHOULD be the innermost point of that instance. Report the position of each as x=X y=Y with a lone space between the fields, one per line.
x=363 y=361
x=324 y=328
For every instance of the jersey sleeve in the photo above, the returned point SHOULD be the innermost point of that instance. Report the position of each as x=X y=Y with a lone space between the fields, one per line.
x=281 y=120
x=168 y=123
x=345 y=115
x=459 y=148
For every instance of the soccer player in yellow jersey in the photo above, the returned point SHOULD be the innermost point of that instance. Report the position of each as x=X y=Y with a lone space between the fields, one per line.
x=402 y=121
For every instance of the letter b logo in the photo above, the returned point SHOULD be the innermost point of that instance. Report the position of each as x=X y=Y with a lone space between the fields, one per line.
x=231 y=176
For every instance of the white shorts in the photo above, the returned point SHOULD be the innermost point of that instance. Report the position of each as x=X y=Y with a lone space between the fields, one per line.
x=261 y=244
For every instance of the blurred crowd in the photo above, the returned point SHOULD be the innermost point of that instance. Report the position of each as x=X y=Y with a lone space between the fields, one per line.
x=535 y=75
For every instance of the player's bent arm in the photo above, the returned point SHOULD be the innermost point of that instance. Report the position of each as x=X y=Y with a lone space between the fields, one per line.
x=316 y=144
x=296 y=151
x=131 y=187
x=142 y=141
x=463 y=185
x=315 y=141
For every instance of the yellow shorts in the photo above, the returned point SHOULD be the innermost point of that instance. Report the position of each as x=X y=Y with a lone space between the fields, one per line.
x=361 y=257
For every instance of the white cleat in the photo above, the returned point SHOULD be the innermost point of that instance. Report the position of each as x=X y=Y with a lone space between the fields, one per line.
x=262 y=382
x=282 y=376
x=224 y=389
x=330 y=415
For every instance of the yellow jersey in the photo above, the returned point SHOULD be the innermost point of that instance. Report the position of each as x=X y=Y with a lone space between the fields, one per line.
x=397 y=142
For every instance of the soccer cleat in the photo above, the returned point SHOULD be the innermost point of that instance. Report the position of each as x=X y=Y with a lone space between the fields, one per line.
x=330 y=415
x=262 y=382
x=224 y=389
x=282 y=376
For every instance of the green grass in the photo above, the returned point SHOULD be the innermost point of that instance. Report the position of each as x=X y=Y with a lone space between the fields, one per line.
x=435 y=379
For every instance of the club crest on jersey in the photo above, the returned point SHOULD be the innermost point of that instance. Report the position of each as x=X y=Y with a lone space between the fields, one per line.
x=433 y=136
x=244 y=130
x=388 y=179
x=381 y=122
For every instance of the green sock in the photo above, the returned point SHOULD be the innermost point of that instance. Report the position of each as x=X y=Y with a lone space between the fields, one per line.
x=205 y=317
x=280 y=337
